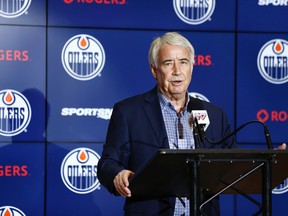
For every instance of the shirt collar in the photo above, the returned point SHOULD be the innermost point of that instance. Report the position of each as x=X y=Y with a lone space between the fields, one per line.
x=164 y=102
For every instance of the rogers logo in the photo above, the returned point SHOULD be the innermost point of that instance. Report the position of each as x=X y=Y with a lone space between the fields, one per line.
x=106 y=2
x=274 y=116
x=14 y=55
x=203 y=60
x=13 y=170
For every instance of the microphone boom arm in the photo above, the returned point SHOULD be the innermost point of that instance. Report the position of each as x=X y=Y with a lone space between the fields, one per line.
x=266 y=133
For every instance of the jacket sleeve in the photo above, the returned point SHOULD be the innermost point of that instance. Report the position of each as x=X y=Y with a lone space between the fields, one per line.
x=116 y=150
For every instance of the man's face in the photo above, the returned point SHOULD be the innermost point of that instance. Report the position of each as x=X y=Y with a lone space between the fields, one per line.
x=174 y=71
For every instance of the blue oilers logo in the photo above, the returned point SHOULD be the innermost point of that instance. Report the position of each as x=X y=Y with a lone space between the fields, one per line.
x=199 y=96
x=273 y=61
x=10 y=211
x=15 y=112
x=13 y=8
x=79 y=170
x=194 y=12
x=282 y=188
x=83 y=57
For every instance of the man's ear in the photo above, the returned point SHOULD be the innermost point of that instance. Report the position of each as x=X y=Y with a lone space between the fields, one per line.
x=153 y=70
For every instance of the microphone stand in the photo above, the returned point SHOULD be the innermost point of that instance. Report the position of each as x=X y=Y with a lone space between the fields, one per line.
x=196 y=129
x=200 y=130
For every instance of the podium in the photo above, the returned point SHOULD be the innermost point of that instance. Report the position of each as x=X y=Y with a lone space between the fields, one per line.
x=191 y=173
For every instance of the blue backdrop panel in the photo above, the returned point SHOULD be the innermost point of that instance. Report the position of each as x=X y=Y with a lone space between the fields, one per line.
x=213 y=74
x=267 y=16
x=255 y=94
x=70 y=113
x=151 y=14
x=227 y=204
x=23 y=69
x=63 y=201
x=127 y=75
x=245 y=207
x=22 y=177
x=28 y=12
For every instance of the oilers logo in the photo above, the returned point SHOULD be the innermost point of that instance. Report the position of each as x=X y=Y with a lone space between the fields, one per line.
x=199 y=96
x=79 y=170
x=15 y=112
x=10 y=211
x=13 y=8
x=273 y=61
x=83 y=57
x=282 y=188
x=194 y=12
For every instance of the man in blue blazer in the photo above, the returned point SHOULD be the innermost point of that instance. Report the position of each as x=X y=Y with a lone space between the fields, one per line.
x=142 y=124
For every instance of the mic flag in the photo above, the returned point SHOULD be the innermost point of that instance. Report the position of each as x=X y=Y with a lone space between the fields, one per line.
x=202 y=118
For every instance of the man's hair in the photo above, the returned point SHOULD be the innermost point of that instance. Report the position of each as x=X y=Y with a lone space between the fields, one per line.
x=172 y=38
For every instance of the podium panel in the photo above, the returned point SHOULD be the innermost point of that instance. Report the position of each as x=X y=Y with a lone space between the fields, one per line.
x=168 y=173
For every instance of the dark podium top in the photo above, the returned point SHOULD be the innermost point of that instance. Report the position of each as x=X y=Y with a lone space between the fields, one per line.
x=168 y=171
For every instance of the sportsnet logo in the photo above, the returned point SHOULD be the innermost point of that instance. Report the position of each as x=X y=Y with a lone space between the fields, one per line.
x=13 y=8
x=10 y=211
x=194 y=12
x=79 y=170
x=15 y=112
x=273 y=2
x=83 y=57
x=273 y=61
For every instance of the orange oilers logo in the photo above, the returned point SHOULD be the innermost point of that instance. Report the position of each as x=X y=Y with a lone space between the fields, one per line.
x=15 y=112
x=79 y=170
x=13 y=8
x=83 y=57
x=10 y=211
x=273 y=61
x=194 y=12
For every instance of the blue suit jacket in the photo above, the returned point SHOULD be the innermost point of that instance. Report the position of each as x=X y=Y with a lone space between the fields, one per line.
x=136 y=131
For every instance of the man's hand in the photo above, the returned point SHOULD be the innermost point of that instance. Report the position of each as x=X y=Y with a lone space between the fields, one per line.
x=281 y=147
x=121 y=182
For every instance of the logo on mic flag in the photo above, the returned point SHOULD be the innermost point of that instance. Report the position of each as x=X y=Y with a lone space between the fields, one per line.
x=202 y=118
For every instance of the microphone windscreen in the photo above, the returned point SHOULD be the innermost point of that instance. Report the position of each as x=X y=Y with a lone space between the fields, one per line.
x=195 y=104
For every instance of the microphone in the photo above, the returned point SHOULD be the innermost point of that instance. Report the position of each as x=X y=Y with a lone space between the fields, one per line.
x=198 y=121
x=201 y=122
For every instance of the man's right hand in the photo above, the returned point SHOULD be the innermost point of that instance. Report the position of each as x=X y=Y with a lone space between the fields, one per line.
x=121 y=182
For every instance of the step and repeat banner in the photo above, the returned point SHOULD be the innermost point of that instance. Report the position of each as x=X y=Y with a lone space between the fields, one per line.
x=63 y=65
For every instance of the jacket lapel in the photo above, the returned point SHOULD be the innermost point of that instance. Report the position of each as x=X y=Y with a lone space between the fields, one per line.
x=154 y=114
